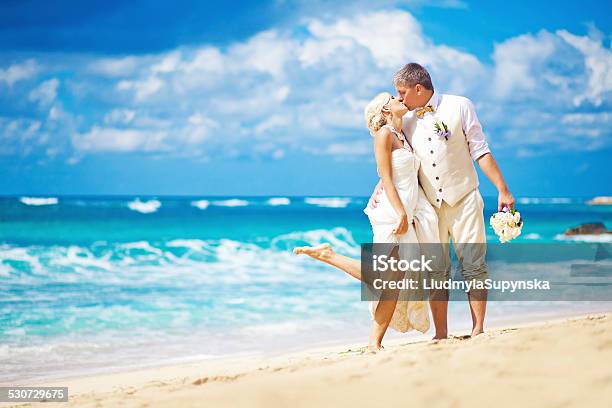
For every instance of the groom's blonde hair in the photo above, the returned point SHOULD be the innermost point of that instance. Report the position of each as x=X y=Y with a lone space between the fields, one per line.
x=374 y=117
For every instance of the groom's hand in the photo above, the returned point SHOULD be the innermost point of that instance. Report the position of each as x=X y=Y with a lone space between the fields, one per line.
x=375 y=197
x=505 y=199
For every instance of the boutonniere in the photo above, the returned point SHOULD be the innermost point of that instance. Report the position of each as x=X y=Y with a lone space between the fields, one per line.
x=442 y=130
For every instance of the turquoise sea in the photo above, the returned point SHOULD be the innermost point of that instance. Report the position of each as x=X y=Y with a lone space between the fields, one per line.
x=90 y=284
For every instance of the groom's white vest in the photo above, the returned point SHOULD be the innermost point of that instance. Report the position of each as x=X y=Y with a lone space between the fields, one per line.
x=447 y=171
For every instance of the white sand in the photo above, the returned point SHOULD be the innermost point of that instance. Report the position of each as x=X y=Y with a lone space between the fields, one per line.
x=555 y=363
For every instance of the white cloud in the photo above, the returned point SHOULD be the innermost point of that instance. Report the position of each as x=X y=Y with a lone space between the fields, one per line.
x=518 y=60
x=45 y=93
x=549 y=90
x=304 y=89
x=357 y=148
x=169 y=63
x=553 y=67
x=273 y=122
x=20 y=135
x=266 y=52
x=598 y=62
x=119 y=116
x=119 y=140
x=584 y=119
x=17 y=72
x=390 y=45
x=142 y=89
x=114 y=67
x=205 y=60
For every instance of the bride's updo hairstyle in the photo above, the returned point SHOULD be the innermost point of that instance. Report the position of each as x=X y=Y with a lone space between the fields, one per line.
x=374 y=117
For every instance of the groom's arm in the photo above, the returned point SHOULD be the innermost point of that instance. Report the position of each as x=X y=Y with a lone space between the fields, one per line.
x=489 y=167
x=480 y=152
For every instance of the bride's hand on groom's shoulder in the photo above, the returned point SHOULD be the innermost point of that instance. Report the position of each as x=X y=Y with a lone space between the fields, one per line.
x=375 y=197
x=505 y=199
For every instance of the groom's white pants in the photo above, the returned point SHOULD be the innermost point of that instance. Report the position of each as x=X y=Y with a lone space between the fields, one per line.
x=463 y=223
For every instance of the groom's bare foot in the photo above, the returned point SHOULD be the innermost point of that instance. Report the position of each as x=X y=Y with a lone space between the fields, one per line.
x=440 y=337
x=321 y=252
x=476 y=332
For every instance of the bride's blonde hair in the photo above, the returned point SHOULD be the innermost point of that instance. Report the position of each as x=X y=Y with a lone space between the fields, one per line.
x=374 y=116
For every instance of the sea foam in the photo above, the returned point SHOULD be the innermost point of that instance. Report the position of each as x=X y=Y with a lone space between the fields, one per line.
x=231 y=203
x=331 y=202
x=144 y=207
x=201 y=204
x=604 y=238
x=544 y=200
x=38 y=200
x=278 y=201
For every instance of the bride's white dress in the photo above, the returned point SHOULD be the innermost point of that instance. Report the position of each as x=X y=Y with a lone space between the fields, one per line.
x=408 y=314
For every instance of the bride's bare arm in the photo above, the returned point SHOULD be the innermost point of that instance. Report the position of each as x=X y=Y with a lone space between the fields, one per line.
x=383 y=145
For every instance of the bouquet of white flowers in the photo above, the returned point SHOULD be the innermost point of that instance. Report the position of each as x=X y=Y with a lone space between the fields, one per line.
x=507 y=224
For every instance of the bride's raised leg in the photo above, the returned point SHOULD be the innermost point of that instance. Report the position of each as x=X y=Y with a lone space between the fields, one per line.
x=384 y=308
x=325 y=253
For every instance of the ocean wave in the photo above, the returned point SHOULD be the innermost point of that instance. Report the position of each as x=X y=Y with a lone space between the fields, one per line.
x=144 y=207
x=143 y=246
x=194 y=260
x=532 y=235
x=231 y=203
x=330 y=202
x=605 y=238
x=39 y=200
x=192 y=244
x=278 y=201
x=544 y=200
x=339 y=238
x=201 y=204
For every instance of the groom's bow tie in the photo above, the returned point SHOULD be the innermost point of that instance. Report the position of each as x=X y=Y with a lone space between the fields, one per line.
x=421 y=111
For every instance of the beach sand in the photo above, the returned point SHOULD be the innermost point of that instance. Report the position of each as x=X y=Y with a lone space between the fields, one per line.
x=555 y=363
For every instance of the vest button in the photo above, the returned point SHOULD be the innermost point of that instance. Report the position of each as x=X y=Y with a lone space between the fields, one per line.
x=440 y=190
x=429 y=138
x=437 y=178
x=434 y=164
x=431 y=151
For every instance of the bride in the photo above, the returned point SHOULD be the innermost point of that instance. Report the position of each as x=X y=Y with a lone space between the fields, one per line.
x=403 y=216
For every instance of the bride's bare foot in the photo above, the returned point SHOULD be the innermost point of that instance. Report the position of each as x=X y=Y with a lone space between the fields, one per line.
x=321 y=252
x=375 y=348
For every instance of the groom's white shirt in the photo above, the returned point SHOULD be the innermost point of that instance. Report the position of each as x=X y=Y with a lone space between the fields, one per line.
x=447 y=171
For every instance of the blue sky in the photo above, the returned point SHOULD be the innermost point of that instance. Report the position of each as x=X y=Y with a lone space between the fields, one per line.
x=261 y=98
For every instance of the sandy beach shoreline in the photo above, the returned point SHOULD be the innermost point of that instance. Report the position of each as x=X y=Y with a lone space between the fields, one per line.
x=550 y=362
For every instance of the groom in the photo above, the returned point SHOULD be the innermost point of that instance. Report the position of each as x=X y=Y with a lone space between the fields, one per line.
x=446 y=135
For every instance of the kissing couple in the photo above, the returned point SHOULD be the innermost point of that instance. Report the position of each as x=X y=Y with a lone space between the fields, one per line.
x=425 y=143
